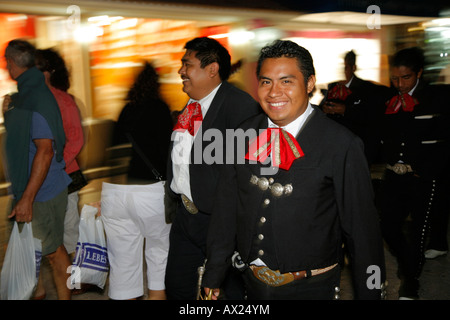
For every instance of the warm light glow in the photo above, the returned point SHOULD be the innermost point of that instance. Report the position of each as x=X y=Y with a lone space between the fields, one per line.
x=98 y=18
x=87 y=34
x=265 y=36
x=17 y=17
x=328 y=56
x=236 y=37
x=241 y=37
x=127 y=23
x=442 y=22
x=103 y=20
x=220 y=36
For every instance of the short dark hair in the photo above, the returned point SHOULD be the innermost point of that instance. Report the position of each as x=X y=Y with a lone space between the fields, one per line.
x=412 y=58
x=288 y=49
x=350 y=58
x=209 y=50
x=50 y=60
x=21 y=52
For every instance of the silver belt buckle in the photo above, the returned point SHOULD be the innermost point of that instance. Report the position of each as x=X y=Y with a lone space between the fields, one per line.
x=400 y=168
x=189 y=205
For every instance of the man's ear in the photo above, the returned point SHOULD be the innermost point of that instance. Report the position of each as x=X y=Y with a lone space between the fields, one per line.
x=419 y=74
x=213 y=69
x=311 y=83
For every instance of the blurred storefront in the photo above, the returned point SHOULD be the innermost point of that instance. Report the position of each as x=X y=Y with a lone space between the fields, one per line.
x=106 y=42
x=104 y=54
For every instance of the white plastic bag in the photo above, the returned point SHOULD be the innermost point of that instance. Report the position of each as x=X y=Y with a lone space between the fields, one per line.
x=21 y=266
x=91 y=263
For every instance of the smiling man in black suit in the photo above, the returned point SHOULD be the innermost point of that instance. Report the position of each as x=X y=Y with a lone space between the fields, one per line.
x=192 y=181
x=289 y=224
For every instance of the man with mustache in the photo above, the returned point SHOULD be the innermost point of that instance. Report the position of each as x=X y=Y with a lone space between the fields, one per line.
x=214 y=104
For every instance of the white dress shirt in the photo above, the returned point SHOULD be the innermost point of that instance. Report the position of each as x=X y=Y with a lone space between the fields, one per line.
x=181 y=152
x=295 y=126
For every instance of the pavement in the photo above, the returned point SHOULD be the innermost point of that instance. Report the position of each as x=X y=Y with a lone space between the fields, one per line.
x=434 y=281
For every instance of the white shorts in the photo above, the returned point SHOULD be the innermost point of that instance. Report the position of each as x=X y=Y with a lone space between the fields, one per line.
x=130 y=214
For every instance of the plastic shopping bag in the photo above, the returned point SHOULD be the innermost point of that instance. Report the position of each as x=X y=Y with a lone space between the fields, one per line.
x=21 y=266
x=91 y=263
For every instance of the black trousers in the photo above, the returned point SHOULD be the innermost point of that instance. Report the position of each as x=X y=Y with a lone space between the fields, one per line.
x=187 y=252
x=439 y=220
x=320 y=287
x=407 y=204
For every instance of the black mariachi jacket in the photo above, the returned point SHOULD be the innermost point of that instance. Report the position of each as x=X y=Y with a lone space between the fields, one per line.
x=230 y=107
x=364 y=110
x=331 y=202
x=421 y=137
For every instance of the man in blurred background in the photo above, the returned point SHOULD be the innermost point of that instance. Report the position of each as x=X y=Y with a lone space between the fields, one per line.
x=358 y=105
x=34 y=151
x=415 y=146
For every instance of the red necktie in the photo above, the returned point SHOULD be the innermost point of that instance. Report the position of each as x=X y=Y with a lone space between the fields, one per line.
x=339 y=92
x=187 y=119
x=406 y=101
x=284 y=145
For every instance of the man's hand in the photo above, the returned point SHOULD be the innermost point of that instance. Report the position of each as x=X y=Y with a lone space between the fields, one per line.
x=215 y=293
x=23 y=211
x=334 y=108
x=98 y=206
x=6 y=102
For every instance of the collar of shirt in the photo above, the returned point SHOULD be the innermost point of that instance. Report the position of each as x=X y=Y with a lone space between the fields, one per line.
x=295 y=126
x=349 y=83
x=206 y=101
x=412 y=90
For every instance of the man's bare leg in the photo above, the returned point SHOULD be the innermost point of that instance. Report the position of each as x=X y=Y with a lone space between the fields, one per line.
x=59 y=261
x=157 y=295
x=39 y=292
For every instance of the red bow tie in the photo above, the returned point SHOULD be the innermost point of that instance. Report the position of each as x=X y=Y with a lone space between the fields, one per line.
x=284 y=145
x=339 y=92
x=187 y=119
x=405 y=101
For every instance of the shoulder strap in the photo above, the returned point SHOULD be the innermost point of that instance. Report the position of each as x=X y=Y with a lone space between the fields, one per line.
x=142 y=155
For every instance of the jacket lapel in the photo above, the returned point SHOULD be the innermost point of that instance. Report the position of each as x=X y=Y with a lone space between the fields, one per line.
x=214 y=108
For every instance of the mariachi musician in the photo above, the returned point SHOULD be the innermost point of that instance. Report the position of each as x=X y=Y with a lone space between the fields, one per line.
x=415 y=146
x=289 y=217
x=355 y=103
